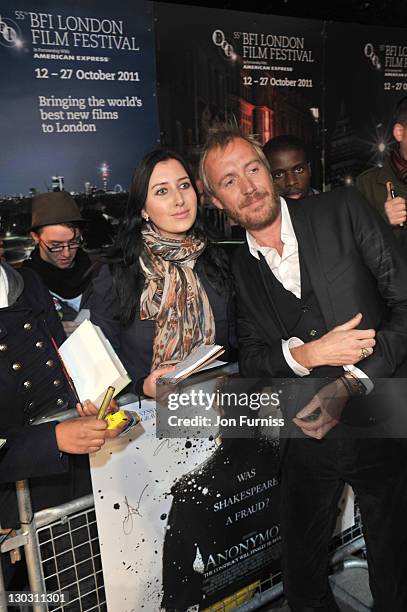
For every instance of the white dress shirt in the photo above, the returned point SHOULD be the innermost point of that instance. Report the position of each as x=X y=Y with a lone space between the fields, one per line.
x=286 y=269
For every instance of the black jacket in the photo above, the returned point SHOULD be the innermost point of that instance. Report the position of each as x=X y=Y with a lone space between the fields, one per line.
x=134 y=344
x=32 y=384
x=355 y=265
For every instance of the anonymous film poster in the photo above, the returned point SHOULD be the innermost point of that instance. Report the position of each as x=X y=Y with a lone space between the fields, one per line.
x=78 y=106
x=264 y=72
x=365 y=76
x=184 y=523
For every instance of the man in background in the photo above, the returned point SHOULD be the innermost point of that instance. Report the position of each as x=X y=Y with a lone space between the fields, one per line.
x=385 y=187
x=56 y=228
x=289 y=165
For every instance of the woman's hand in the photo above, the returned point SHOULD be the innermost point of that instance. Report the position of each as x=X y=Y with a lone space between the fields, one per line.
x=149 y=386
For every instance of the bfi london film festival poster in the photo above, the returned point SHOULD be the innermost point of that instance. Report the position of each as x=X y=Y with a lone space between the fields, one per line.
x=265 y=72
x=78 y=94
x=184 y=523
x=365 y=77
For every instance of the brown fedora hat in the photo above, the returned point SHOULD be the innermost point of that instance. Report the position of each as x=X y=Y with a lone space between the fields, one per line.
x=54 y=208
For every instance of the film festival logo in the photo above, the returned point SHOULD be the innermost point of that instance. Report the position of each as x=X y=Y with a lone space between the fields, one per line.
x=370 y=53
x=10 y=35
x=219 y=39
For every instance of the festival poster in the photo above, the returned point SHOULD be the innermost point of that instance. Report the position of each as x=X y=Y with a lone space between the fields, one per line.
x=78 y=94
x=262 y=71
x=184 y=522
x=365 y=77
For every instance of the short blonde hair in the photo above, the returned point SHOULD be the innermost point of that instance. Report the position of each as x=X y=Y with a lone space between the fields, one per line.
x=219 y=138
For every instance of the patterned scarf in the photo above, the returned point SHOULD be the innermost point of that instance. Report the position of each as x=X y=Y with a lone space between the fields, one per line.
x=174 y=297
x=399 y=164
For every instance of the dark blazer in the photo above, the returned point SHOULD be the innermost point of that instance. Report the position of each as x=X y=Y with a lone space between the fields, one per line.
x=134 y=344
x=355 y=265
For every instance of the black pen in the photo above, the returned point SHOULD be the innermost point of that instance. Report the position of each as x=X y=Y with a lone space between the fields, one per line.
x=393 y=195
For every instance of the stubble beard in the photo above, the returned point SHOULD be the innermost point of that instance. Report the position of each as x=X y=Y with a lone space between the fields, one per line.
x=253 y=221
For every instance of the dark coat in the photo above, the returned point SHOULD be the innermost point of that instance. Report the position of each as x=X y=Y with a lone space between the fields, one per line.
x=32 y=384
x=355 y=265
x=372 y=183
x=134 y=344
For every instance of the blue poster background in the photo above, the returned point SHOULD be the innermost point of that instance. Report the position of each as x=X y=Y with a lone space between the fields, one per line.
x=31 y=33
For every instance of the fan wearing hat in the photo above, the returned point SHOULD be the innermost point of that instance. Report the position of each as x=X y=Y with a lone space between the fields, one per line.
x=56 y=228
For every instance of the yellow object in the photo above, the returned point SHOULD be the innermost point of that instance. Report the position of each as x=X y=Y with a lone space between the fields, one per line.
x=117 y=419
x=237 y=599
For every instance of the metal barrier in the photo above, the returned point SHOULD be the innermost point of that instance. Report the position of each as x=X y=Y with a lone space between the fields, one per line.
x=62 y=554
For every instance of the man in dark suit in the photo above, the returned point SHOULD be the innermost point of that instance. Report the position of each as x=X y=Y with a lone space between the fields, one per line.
x=322 y=293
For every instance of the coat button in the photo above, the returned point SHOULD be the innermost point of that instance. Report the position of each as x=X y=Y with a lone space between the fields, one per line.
x=39 y=344
x=16 y=366
x=27 y=326
x=313 y=332
x=3 y=347
x=27 y=384
x=60 y=402
x=50 y=363
x=56 y=382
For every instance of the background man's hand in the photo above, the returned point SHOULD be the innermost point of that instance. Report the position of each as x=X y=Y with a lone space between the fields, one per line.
x=395 y=208
x=341 y=346
x=331 y=400
x=81 y=436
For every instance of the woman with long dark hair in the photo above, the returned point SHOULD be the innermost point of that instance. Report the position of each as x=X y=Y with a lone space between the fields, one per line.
x=166 y=288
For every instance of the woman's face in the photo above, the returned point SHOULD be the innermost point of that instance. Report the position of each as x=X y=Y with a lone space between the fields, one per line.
x=171 y=203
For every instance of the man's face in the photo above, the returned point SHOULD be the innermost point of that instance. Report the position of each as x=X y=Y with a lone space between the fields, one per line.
x=291 y=173
x=57 y=236
x=242 y=185
x=400 y=134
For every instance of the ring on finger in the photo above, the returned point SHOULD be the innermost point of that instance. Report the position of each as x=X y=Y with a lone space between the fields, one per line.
x=364 y=352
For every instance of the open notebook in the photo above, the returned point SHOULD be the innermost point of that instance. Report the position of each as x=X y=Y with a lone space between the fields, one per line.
x=92 y=363
x=200 y=358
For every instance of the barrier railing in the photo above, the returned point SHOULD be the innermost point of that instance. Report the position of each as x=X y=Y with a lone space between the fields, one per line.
x=63 y=561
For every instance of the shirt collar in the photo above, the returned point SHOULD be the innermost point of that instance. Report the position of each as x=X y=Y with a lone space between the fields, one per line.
x=288 y=236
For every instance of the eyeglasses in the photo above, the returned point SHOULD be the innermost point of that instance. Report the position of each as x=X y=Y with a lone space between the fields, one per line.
x=71 y=245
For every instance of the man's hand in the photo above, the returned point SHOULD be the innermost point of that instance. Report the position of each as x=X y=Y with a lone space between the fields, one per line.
x=149 y=386
x=331 y=400
x=341 y=346
x=81 y=436
x=395 y=208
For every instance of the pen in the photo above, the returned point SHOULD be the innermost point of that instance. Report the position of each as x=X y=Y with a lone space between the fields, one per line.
x=105 y=402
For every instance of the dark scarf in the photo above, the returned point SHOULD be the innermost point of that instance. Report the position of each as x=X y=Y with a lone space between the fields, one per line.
x=399 y=164
x=66 y=283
